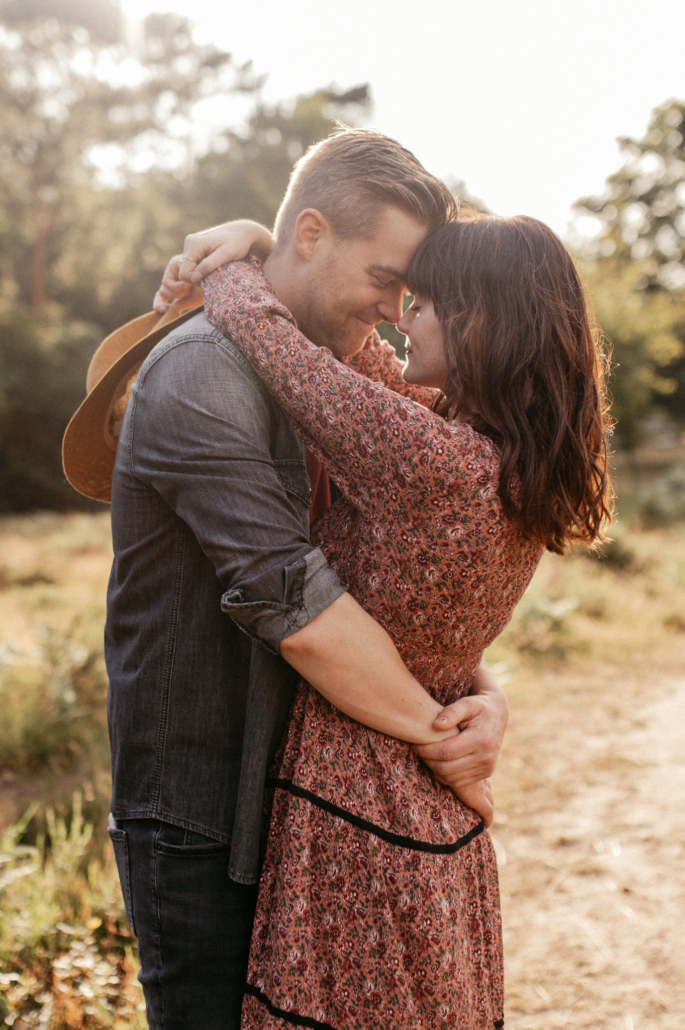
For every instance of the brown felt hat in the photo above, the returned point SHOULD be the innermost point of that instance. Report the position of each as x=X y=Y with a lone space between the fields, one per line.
x=90 y=442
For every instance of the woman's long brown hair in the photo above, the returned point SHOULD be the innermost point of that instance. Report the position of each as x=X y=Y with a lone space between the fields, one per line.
x=525 y=368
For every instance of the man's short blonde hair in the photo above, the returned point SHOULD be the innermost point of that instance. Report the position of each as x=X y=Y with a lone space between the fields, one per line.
x=350 y=175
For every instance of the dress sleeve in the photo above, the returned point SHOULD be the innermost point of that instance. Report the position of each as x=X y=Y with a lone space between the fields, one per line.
x=378 y=361
x=364 y=434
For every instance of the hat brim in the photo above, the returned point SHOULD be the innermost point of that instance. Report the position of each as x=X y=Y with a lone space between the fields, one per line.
x=87 y=457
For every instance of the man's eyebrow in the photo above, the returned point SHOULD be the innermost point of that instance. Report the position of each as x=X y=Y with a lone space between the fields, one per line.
x=387 y=270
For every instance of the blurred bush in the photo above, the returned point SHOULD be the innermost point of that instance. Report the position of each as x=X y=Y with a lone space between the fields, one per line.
x=540 y=627
x=663 y=501
x=615 y=552
x=53 y=697
x=43 y=360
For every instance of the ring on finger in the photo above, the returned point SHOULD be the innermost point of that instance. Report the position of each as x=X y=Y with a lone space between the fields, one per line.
x=184 y=257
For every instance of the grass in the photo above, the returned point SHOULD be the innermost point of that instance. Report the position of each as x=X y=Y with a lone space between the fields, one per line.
x=67 y=953
x=68 y=958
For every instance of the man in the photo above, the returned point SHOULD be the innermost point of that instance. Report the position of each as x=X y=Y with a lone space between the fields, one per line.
x=210 y=514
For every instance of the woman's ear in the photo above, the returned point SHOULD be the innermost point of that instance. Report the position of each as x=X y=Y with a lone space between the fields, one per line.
x=311 y=228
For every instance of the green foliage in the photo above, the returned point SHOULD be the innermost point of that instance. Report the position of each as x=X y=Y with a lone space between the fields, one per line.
x=638 y=272
x=643 y=208
x=110 y=277
x=248 y=172
x=646 y=329
x=67 y=953
x=57 y=107
x=663 y=501
x=43 y=360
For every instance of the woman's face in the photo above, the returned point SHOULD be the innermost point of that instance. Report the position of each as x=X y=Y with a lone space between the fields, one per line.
x=426 y=364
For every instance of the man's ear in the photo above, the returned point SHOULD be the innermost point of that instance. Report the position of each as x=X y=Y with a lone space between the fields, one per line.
x=311 y=228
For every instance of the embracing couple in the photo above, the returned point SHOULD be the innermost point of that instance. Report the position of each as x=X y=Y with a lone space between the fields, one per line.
x=301 y=726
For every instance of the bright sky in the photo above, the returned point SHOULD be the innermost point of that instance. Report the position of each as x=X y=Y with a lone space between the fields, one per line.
x=522 y=99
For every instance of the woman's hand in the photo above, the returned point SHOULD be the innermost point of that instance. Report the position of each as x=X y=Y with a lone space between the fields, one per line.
x=174 y=292
x=205 y=251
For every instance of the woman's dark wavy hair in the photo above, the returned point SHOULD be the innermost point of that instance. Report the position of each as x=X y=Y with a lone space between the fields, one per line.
x=525 y=368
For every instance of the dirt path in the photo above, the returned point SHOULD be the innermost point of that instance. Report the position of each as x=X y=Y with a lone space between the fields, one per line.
x=591 y=842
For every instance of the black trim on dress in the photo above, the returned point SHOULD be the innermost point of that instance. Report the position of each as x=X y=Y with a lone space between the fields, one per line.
x=297 y=1020
x=377 y=831
x=289 y=1017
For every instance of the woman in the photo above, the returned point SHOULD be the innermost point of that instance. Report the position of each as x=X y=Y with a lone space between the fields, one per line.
x=379 y=900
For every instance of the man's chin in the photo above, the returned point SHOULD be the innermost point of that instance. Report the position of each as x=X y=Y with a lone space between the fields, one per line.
x=354 y=343
x=347 y=347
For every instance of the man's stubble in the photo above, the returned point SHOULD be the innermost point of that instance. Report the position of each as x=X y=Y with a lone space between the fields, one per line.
x=326 y=315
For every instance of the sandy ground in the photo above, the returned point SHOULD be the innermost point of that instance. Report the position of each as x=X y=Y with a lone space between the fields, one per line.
x=591 y=845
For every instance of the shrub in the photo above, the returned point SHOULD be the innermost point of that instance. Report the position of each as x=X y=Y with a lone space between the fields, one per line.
x=67 y=953
x=663 y=501
x=540 y=627
x=43 y=363
x=53 y=702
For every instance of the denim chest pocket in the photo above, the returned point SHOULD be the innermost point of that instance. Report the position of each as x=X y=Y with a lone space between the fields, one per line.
x=295 y=480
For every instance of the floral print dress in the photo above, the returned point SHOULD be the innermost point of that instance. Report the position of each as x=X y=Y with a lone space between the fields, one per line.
x=379 y=900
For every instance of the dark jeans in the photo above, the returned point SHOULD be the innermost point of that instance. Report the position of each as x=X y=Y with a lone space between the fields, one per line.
x=192 y=922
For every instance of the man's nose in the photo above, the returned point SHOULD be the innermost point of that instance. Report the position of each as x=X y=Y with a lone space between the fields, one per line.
x=391 y=307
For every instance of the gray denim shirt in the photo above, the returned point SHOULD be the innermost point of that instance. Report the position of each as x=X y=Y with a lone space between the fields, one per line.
x=212 y=568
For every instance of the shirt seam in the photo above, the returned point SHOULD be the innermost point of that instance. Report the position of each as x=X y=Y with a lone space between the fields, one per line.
x=169 y=668
x=215 y=338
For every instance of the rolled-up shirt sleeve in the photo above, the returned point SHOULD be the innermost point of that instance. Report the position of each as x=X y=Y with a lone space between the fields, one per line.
x=202 y=436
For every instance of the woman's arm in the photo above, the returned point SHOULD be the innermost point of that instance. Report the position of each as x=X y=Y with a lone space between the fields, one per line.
x=377 y=445
x=354 y=664
x=203 y=252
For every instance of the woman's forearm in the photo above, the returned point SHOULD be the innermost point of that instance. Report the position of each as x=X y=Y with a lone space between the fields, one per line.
x=353 y=662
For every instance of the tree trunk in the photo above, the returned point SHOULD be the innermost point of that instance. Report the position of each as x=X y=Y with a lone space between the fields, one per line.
x=41 y=226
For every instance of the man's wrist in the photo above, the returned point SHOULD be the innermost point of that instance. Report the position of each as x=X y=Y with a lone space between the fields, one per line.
x=484 y=682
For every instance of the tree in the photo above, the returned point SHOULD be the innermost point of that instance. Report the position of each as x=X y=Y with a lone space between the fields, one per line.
x=80 y=254
x=43 y=362
x=127 y=235
x=642 y=210
x=636 y=271
x=246 y=174
x=61 y=95
x=646 y=331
